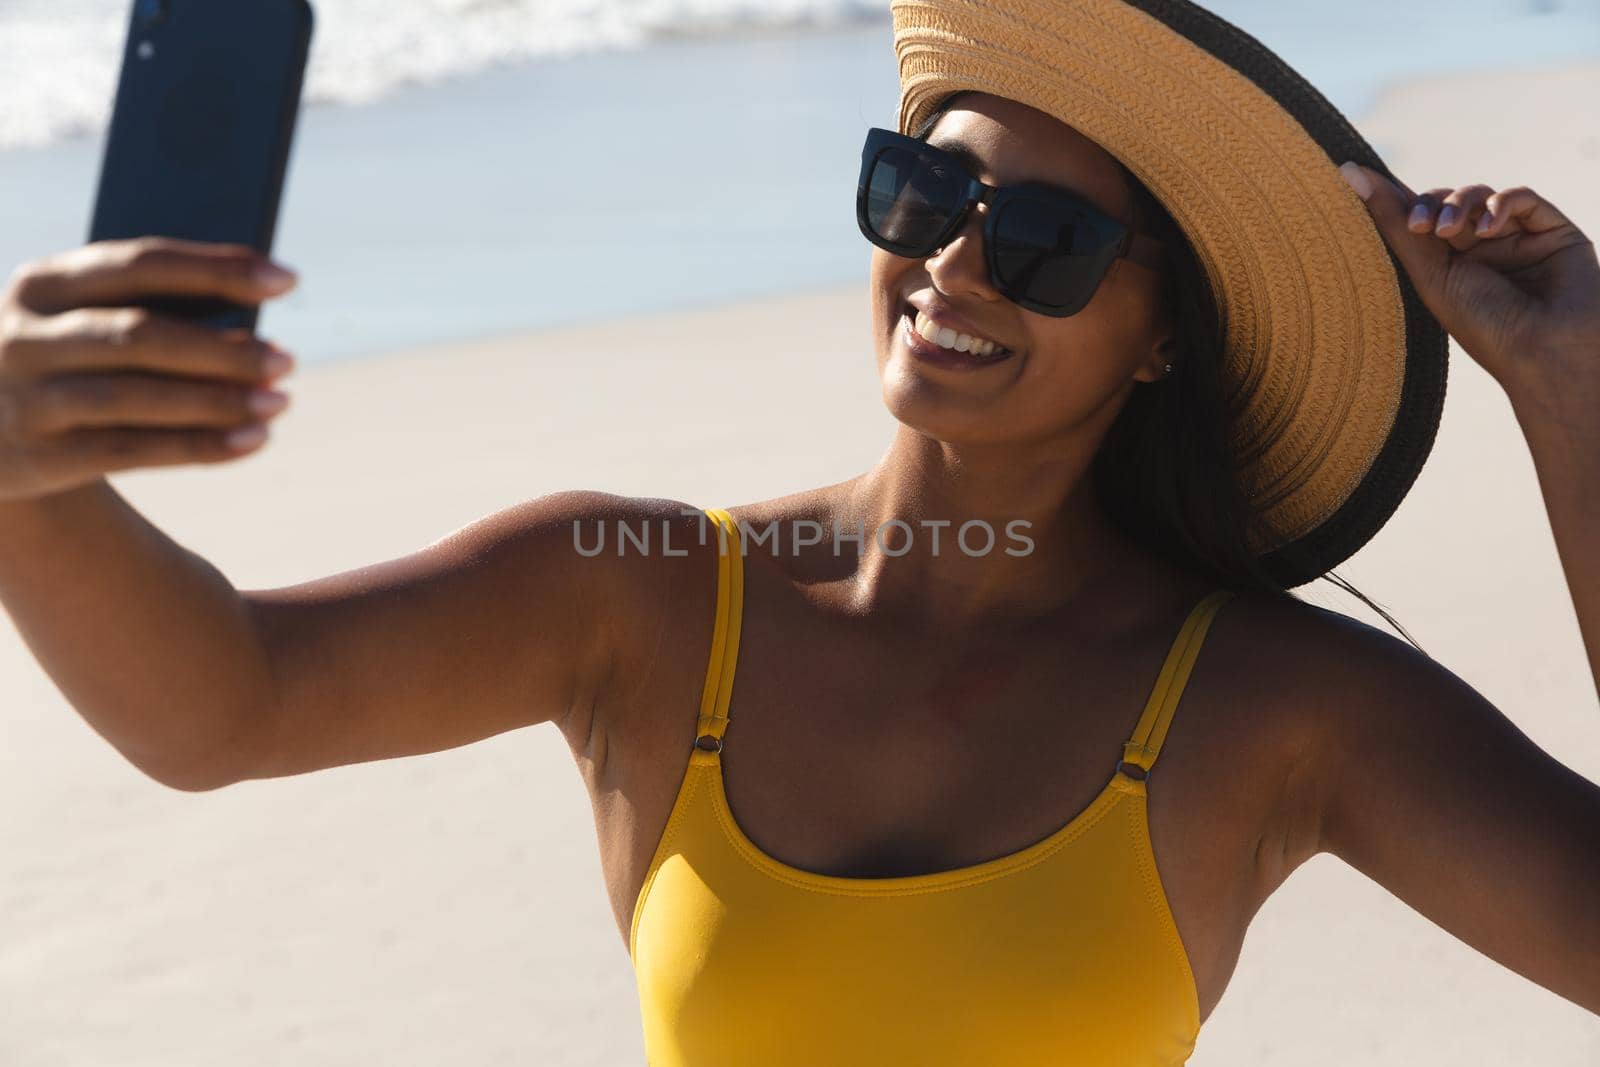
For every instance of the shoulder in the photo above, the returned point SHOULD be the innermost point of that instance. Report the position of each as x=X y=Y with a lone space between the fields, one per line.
x=1411 y=776
x=1415 y=779
x=1287 y=685
x=647 y=549
x=655 y=561
x=1390 y=742
x=647 y=565
x=1339 y=680
x=1324 y=680
x=661 y=553
x=626 y=549
x=1313 y=659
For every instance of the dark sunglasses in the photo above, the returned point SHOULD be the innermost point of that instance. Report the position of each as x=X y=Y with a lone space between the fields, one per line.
x=1047 y=247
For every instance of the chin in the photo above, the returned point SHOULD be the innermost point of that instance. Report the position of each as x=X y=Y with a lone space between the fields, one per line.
x=951 y=417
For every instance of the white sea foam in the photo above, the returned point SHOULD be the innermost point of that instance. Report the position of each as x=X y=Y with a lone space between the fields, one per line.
x=59 y=58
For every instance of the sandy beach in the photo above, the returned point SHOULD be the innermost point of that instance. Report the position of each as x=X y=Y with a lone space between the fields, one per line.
x=450 y=908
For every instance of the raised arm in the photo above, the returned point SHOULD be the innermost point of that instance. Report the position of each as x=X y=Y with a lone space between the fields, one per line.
x=1422 y=783
x=499 y=625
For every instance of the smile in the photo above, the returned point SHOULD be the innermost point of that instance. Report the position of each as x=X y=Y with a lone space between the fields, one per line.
x=930 y=350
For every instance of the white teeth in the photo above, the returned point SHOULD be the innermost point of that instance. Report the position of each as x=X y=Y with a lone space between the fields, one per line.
x=947 y=338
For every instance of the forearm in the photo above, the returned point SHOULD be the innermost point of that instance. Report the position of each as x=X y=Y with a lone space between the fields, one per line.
x=1565 y=445
x=151 y=644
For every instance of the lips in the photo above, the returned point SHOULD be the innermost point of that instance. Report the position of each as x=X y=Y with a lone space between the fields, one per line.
x=928 y=352
x=948 y=320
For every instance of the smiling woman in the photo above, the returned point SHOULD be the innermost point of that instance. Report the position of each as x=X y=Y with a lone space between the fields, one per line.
x=1011 y=787
x=1320 y=377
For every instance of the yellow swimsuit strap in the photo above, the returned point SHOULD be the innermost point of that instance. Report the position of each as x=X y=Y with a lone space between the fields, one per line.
x=725 y=635
x=1142 y=749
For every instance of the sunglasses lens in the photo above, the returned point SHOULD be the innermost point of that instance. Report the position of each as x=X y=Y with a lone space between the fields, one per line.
x=910 y=199
x=1048 y=251
x=1053 y=256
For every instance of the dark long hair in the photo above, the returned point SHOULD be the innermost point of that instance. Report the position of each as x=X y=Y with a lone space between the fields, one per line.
x=1164 y=472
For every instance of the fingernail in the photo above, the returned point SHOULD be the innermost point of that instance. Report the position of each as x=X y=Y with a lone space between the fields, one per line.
x=1356 y=179
x=1485 y=221
x=276 y=362
x=1447 y=215
x=266 y=401
x=1419 y=215
x=271 y=276
x=245 y=436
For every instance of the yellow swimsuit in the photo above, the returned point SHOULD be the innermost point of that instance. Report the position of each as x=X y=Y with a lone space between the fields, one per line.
x=1062 y=953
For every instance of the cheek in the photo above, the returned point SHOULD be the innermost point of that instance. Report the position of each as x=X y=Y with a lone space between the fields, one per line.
x=886 y=286
x=1078 y=364
x=1106 y=341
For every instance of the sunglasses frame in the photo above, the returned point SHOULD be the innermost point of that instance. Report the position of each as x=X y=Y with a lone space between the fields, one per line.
x=1114 y=238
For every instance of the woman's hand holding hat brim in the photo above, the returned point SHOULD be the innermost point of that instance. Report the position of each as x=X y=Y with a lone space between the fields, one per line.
x=1507 y=274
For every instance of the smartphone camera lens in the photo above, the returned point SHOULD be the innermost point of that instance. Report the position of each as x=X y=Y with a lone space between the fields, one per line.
x=151 y=12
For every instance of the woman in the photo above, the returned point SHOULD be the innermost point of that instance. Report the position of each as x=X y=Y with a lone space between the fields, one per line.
x=928 y=840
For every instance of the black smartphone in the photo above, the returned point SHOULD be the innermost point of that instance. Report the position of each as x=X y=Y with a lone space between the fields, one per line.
x=198 y=144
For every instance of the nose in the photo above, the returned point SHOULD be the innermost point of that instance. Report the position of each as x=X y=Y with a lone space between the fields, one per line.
x=960 y=264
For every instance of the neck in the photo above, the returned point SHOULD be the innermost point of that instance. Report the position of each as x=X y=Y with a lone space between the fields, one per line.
x=1036 y=537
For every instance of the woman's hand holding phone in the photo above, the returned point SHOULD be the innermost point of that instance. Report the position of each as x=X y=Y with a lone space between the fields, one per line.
x=90 y=384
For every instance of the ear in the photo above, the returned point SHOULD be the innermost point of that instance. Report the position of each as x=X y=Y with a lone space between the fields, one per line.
x=1164 y=351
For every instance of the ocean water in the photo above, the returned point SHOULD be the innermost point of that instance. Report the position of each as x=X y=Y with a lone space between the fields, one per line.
x=57 y=82
x=471 y=167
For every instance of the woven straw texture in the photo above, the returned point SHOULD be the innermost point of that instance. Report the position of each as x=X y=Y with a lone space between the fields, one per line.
x=1316 y=316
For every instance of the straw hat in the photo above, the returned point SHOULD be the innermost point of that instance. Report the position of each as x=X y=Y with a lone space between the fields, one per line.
x=1334 y=369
